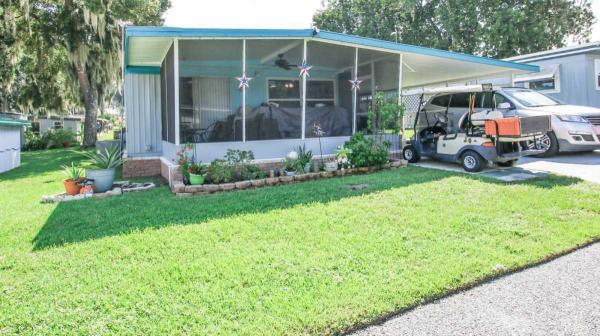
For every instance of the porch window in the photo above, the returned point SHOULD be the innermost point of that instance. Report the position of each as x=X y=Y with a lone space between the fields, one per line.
x=285 y=92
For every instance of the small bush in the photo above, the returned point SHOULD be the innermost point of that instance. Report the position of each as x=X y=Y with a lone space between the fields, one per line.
x=219 y=172
x=59 y=138
x=366 y=152
x=33 y=141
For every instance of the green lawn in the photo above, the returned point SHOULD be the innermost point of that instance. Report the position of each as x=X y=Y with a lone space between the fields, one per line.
x=312 y=258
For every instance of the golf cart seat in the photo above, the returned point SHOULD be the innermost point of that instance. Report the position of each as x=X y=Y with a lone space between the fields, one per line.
x=479 y=118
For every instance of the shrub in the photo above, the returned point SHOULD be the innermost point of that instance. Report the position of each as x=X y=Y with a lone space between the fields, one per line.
x=34 y=141
x=252 y=172
x=219 y=172
x=59 y=138
x=365 y=151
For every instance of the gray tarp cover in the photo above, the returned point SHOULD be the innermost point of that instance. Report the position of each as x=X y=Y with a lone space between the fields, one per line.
x=334 y=120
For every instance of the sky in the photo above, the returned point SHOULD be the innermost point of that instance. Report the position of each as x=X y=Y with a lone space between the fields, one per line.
x=262 y=14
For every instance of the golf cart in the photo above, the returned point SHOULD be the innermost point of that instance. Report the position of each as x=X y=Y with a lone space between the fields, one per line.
x=443 y=131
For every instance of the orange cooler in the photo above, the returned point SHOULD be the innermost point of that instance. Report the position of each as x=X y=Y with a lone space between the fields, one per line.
x=507 y=127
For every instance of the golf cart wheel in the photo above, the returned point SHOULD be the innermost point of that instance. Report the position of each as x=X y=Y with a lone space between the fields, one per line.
x=548 y=142
x=409 y=154
x=510 y=163
x=472 y=162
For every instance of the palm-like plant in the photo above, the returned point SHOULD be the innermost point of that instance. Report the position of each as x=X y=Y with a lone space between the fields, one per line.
x=73 y=172
x=109 y=158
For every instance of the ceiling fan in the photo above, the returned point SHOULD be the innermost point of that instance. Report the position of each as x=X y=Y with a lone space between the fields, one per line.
x=281 y=62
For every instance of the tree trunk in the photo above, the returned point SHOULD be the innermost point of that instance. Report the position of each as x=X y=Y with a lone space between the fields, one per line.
x=91 y=110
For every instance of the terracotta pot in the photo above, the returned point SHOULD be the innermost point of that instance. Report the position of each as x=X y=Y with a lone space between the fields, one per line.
x=72 y=187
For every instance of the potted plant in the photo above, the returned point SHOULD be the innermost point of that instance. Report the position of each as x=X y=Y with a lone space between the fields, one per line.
x=289 y=167
x=74 y=176
x=104 y=163
x=342 y=156
x=196 y=173
x=304 y=158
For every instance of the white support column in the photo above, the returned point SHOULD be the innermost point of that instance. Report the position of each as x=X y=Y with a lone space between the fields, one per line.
x=243 y=91
x=176 y=86
x=354 y=92
x=512 y=79
x=303 y=127
x=400 y=74
x=373 y=86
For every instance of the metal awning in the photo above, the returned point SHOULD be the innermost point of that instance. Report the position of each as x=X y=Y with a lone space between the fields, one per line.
x=146 y=47
x=546 y=72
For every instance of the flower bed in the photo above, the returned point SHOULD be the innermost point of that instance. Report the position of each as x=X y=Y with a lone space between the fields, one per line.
x=180 y=189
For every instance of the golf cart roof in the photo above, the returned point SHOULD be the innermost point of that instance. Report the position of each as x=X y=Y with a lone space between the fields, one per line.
x=457 y=89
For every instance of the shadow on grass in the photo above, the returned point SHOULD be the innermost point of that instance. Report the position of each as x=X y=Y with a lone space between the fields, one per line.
x=91 y=219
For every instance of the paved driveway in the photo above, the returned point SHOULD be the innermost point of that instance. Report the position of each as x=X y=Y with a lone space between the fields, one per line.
x=561 y=297
x=585 y=166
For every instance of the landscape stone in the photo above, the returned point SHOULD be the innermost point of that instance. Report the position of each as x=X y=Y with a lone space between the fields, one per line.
x=242 y=184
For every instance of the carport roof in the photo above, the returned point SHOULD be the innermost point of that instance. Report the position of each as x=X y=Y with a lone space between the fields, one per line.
x=146 y=46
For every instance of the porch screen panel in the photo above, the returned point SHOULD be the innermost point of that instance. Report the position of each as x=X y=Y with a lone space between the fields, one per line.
x=210 y=99
x=328 y=89
x=167 y=95
x=273 y=100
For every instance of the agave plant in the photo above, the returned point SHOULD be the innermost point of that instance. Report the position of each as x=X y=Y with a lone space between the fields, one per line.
x=109 y=158
x=73 y=172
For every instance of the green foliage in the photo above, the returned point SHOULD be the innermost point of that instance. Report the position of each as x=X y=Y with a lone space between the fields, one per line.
x=57 y=138
x=304 y=155
x=252 y=172
x=73 y=172
x=197 y=169
x=365 y=152
x=385 y=114
x=495 y=28
x=33 y=141
x=290 y=165
x=219 y=172
x=109 y=158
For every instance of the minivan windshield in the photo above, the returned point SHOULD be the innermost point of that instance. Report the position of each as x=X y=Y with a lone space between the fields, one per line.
x=530 y=98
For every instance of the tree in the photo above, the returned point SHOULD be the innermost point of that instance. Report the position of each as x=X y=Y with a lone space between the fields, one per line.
x=493 y=28
x=86 y=36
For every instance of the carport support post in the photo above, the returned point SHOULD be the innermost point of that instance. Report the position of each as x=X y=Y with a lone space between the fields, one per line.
x=304 y=94
x=243 y=91
x=354 y=92
x=176 y=88
x=400 y=91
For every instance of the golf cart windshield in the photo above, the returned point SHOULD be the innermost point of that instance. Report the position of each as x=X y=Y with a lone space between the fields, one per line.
x=530 y=98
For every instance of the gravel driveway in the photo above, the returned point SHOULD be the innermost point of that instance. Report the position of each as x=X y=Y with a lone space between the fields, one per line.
x=561 y=297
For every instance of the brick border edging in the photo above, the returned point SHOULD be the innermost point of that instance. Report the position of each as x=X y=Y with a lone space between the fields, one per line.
x=180 y=189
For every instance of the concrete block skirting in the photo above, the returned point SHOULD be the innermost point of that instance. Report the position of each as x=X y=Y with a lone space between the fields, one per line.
x=133 y=167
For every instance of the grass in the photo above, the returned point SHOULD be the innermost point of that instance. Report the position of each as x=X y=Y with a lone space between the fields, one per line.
x=312 y=258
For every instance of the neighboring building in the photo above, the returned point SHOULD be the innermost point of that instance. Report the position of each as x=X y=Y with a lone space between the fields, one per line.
x=54 y=122
x=11 y=130
x=571 y=74
x=187 y=85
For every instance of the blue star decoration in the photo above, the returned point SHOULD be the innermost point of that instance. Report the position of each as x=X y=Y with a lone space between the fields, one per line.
x=355 y=84
x=244 y=81
x=304 y=67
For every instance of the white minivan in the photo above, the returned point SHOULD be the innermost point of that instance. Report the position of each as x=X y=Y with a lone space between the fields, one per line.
x=574 y=128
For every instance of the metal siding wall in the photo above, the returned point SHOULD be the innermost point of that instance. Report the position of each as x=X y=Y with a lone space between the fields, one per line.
x=10 y=148
x=593 y=95
x=142 y=104
x=574 y=82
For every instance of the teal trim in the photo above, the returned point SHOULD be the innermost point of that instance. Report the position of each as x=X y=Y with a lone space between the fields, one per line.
x=145 y=70
x=4 y=121
x=155 y=31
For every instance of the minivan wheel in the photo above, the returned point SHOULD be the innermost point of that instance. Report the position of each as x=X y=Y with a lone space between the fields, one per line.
x=549 y=142
x=472 y=162
x=409 y=154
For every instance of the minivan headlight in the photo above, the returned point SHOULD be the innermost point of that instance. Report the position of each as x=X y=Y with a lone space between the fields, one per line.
x=572 y=118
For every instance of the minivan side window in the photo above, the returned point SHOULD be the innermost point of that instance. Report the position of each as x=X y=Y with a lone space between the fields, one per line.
x=441 y=101
x=501 y=99
x=460 y=100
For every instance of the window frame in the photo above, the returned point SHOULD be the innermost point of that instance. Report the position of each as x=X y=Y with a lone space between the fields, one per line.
x=555 y=77
x=299 y=100
x=597 y=73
